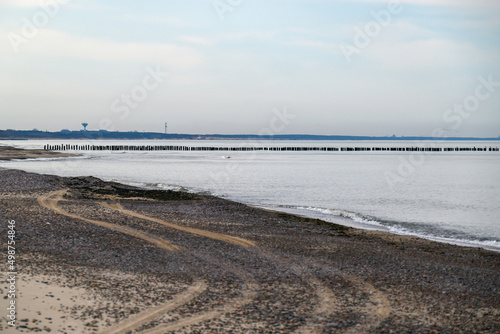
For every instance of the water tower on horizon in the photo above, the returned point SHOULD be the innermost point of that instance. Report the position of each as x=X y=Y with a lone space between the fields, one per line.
x=85 y=126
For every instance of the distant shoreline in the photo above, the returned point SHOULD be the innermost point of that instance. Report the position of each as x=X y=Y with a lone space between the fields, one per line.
x=11 y=153
x=102 y=135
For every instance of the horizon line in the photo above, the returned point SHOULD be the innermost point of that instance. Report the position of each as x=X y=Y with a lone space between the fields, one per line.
x=241 y=135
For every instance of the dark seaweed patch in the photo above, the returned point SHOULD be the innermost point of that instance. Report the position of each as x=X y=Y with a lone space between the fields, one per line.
x=91 y=187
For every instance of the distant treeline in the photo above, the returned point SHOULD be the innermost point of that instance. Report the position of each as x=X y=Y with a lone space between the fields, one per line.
x=66 y=134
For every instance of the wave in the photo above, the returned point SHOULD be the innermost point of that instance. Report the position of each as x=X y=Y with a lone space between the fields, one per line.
x=161 y=186
x=423 y=230
x=344 y=214
x=353 y=219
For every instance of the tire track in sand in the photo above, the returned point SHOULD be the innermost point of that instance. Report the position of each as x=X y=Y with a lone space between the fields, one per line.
x=248 y=294
x=377 y=309
x=327 y=302
x=148 y=315
x=217 y=236
x=327 y=305
x=51 y=199
x=249 y=291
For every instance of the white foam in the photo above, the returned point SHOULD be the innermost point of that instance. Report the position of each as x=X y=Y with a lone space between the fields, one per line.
x=364 y=222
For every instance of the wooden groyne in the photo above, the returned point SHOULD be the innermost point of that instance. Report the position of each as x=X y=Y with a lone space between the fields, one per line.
x=64 y=147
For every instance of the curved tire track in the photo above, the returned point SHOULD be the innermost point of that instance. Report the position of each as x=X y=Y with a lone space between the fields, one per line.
x=249 y=292
x=328 y=304
x=377 y=309
x=204 y=233
x=148 y=315
x=51 y=199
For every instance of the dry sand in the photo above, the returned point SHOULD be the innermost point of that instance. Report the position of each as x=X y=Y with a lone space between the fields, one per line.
x=90 y=259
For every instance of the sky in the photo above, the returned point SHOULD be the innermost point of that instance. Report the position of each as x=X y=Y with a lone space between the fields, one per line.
x=328 y=67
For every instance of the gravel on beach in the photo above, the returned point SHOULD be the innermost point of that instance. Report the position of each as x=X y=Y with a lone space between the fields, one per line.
x=302 y=275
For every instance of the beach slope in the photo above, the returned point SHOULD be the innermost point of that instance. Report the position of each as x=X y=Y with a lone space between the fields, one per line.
x=94 y=256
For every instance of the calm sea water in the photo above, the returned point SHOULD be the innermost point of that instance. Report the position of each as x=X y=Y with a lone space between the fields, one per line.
x=449 y=196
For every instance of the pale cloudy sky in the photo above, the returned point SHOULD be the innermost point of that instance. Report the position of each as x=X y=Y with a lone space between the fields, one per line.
x=339 y=67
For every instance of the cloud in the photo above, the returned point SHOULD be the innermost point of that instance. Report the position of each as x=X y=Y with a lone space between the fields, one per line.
x=32 y=3
x=429 y=54
x=255 y=35
x=61 y=45
x=409 y=47
x=196 y=40
x=169 y=21
x=330 y=47
x=454 y=3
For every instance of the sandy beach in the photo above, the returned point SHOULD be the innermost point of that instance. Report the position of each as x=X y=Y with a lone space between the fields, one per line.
x=93 y=256
x=12 y=153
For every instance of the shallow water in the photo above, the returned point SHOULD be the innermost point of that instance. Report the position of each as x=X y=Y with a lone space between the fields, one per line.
x=450 y=196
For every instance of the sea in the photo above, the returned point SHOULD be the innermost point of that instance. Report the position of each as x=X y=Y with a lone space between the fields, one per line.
x=451 y=197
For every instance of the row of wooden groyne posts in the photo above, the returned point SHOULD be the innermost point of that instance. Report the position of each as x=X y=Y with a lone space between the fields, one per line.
x=260 y=148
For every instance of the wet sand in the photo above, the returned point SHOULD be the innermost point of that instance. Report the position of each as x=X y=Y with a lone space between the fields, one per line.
x=12 y=153
x=101 y=257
